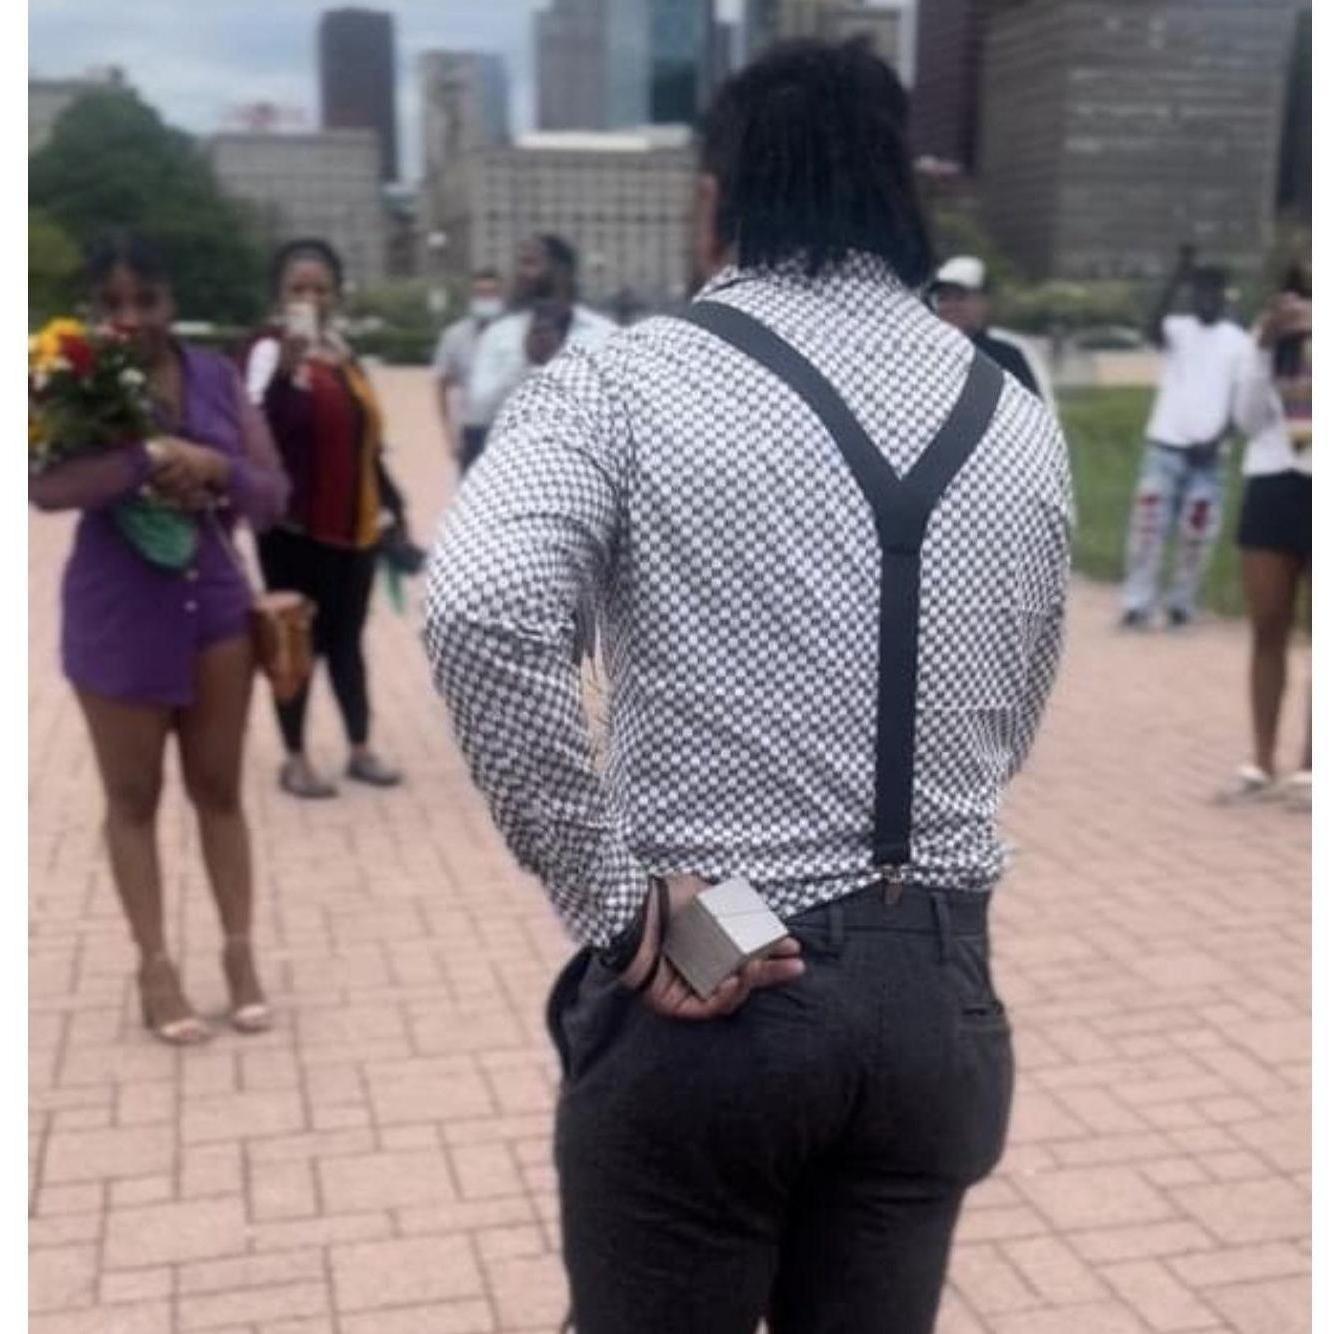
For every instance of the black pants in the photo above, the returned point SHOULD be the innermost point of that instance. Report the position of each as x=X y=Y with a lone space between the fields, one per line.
x=339 y=582
x=804 y=1160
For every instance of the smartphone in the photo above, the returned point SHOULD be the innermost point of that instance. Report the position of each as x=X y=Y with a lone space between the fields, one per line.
x=301 y=320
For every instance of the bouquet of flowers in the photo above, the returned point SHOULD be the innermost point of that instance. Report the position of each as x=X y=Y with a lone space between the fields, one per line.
x=87 y=394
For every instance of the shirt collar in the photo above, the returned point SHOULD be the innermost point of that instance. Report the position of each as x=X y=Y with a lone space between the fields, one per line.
x=858 y=268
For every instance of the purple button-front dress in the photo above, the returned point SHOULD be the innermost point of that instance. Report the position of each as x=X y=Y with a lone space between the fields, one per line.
x=131 y=630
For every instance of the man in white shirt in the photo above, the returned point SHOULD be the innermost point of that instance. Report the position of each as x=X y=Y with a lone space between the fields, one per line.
x=1181 y=484
x=547 y=270
x=454 y=358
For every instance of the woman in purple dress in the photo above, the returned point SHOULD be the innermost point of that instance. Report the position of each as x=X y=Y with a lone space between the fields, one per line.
x=152 y=650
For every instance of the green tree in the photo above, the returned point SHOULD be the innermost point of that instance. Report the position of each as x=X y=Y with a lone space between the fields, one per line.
x=53 y=266
x=111 y=162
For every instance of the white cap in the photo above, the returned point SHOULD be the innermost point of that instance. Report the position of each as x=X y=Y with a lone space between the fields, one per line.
x=963 y=271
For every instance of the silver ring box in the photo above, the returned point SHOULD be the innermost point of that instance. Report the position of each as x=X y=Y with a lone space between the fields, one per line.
x=718 y=932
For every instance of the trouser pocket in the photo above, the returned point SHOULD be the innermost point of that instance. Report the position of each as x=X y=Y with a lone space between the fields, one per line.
x=982 y=1068
x=562 y=997
x=586 y=1007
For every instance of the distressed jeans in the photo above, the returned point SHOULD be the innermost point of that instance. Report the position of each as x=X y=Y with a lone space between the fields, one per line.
x=803 y=1161
x=1179 y=497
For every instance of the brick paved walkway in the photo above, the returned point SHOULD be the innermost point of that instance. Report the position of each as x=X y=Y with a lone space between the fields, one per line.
x=379 y=1164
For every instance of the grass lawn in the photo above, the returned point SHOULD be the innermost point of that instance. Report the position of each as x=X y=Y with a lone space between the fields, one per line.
x=1104 y=429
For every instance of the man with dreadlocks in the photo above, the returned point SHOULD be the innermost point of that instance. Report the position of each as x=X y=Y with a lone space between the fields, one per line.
x=828 y=542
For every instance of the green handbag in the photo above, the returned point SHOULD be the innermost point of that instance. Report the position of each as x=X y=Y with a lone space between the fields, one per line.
x=162 y=536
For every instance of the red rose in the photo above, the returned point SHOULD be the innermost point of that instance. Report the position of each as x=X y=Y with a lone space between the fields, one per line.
x=76 y=351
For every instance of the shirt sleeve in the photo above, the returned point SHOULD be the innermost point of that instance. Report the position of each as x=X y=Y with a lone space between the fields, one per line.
x=1174 y=328
x=260 y=368
x=499 y=367
x=96 y=481
x=531 y=537
x=1257 y=403
x=446 y=355
x=1051 y=573
x=257 y=486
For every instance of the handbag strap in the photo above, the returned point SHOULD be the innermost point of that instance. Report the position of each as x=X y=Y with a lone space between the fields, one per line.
x=229 y=547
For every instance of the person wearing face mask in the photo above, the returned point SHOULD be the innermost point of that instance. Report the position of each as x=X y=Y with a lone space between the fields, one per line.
x=547 y=270
x=464 y=431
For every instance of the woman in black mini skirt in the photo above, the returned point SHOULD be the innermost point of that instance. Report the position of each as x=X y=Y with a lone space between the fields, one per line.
x=1276 y=527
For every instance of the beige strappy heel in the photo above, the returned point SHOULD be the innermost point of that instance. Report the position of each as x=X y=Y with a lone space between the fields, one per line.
x=250 y=1012
x=167 y=1014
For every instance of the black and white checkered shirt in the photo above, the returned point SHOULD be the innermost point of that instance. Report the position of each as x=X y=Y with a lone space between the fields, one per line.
x=711 y=519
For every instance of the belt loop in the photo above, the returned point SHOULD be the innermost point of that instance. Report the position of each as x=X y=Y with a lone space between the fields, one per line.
x=943 y=924
x=836 y=929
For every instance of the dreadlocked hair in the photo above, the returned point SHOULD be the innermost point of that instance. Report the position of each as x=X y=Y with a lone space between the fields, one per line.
x=809 y=149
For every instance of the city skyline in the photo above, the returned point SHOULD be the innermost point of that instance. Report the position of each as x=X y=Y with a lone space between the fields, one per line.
x=197 y=65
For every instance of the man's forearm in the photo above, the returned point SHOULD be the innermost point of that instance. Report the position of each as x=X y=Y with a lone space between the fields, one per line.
x=443 y=388
x=515 y=700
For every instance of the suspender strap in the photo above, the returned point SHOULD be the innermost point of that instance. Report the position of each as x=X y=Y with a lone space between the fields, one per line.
x=901 y=509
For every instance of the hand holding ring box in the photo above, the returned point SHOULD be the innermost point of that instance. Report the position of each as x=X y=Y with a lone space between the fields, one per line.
x=718 y=932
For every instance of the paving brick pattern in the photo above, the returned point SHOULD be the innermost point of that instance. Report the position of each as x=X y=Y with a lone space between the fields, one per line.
x=379 y=1164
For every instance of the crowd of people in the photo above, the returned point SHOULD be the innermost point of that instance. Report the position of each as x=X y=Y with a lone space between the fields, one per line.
x=741 y=499
x=294 y=445
x=1217 y=380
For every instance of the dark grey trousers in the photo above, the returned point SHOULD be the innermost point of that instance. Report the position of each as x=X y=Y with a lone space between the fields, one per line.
x=803 y=1161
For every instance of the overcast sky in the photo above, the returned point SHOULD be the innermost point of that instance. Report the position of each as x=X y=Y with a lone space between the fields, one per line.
x=196 y=60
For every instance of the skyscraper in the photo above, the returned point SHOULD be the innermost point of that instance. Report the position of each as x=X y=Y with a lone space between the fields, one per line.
x=945 y=95
x=681 y=59
x=570 y=62
x=464 y=110
x=613 y=64
x=1295 y=173
x=771 y=21
x=356 y=78
x=725 y=52
x=1111 y=133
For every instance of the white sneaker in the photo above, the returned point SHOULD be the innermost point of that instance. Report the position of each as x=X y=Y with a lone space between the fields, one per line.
x=1250 y=784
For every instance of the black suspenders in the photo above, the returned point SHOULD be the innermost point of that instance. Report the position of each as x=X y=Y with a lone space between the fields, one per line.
x=901 y=508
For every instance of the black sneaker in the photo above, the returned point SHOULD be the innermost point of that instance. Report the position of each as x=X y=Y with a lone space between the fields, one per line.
x=1178 y=620
x=1134 y=620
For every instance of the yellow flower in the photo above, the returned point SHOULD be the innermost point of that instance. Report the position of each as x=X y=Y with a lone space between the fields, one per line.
x=44 y=350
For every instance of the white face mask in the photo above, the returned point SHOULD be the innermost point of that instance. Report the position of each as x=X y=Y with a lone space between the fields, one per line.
x=486 y=307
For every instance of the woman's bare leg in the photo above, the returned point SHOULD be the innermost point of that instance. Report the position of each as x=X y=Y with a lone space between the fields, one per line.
x=1271 y=583
x=212 y=741
x=129 y=741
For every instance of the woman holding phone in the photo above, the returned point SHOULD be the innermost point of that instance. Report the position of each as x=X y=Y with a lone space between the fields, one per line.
x=1274 y=407
x=154 y=650
x=327 y=423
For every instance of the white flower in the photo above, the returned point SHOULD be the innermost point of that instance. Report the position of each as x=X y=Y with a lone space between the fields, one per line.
x=131 y=377
x=40 y=379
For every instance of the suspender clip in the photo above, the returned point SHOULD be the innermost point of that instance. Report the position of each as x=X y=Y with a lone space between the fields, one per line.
x=894 y=882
